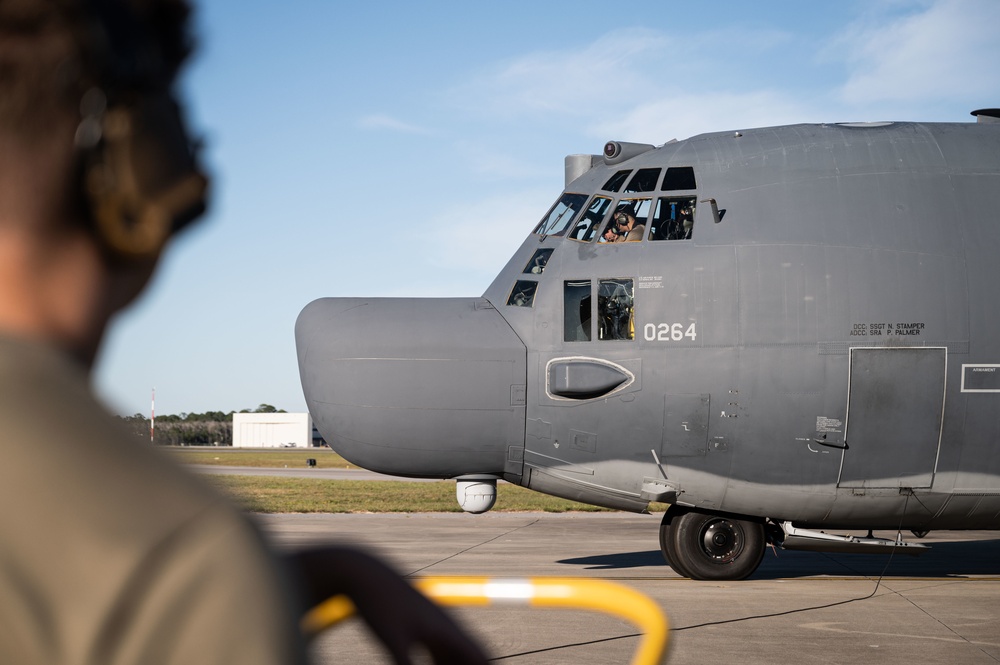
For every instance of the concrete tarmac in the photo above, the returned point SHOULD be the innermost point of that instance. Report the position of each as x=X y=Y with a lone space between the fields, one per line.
x=799 y=607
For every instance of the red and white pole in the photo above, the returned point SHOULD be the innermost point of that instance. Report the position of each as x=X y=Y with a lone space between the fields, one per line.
x=152 y=416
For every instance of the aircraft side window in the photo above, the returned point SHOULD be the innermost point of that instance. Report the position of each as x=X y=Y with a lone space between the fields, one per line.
x=616 y=181
x=561 y=215
x=590 y=221
x=673 y=219
x=523 y=293
x=628 y=223
x=539 y=260
x=615 y=309
x=677 y=178
x=576 y=310
x=644 y=180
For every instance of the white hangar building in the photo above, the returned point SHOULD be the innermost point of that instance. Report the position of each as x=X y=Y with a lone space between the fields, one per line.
x=272 y=430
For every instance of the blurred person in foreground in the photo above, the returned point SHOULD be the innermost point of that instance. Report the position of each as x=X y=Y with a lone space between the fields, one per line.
x=108 y=552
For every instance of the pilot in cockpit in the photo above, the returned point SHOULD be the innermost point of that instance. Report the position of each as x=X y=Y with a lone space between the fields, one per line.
x=622 y=228
x=687 y=222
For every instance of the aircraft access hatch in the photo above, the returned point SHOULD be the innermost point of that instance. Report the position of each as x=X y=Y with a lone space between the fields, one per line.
x=894 y=417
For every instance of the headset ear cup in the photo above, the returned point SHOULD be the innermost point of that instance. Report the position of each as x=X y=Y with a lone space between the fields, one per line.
x=141 y=180
x=132 y=227
x=129 y=236
x=120 y=226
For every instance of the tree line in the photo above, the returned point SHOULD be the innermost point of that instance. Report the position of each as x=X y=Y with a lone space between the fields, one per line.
x=212 y=428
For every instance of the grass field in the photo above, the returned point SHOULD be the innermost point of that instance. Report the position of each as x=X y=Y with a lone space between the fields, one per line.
x=274 y=459
x=269 y=494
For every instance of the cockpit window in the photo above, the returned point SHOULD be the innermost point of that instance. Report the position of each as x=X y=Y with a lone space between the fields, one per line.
x=523 y=293
x=644 y=180
x=615 y=182
x=628 y=223
x=677 y=178
x=590 y=221
x=576 y=310
x=561 y=215
x=538 y=261
x=673 y=219
x=615 y=309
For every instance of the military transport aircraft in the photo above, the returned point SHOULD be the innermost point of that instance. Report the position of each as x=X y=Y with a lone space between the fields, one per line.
x=775 y=331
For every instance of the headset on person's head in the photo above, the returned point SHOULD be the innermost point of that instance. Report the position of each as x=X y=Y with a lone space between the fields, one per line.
x=140 y=173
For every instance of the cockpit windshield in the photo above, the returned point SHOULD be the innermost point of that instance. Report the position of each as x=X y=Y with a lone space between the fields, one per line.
x=673 y=219
x=628 y=217
x=628 y=224
x=561 y=215
x=590 y=221
x=644 y=180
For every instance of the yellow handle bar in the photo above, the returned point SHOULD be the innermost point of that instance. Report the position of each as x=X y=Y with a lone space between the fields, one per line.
x=584 y=594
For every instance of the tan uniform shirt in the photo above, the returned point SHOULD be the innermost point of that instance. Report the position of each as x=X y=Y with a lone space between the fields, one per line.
x=109 y=553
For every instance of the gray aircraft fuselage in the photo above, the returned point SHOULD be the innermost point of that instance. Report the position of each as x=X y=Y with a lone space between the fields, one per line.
x=796 y=324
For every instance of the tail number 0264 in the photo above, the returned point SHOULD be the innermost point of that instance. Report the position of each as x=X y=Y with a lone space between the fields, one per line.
x=669 y=332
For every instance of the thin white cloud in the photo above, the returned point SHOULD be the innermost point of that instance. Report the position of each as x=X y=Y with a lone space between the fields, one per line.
x=618 y=68
x=637 y=84
x=496 y=162
x=473 y=239
x=380 y=121
x=948 y=49
x=567 y=82
x=686 y=115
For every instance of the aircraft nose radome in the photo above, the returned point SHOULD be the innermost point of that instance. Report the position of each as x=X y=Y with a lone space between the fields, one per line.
x=413 y=387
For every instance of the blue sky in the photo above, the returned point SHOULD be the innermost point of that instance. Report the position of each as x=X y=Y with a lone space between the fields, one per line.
x=406 y=149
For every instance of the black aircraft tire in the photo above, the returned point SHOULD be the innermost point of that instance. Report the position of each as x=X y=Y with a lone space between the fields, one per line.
x=703 y=546
x=668 y=544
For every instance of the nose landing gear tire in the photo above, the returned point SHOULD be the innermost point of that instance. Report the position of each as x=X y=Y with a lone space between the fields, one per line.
x=704 y=546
